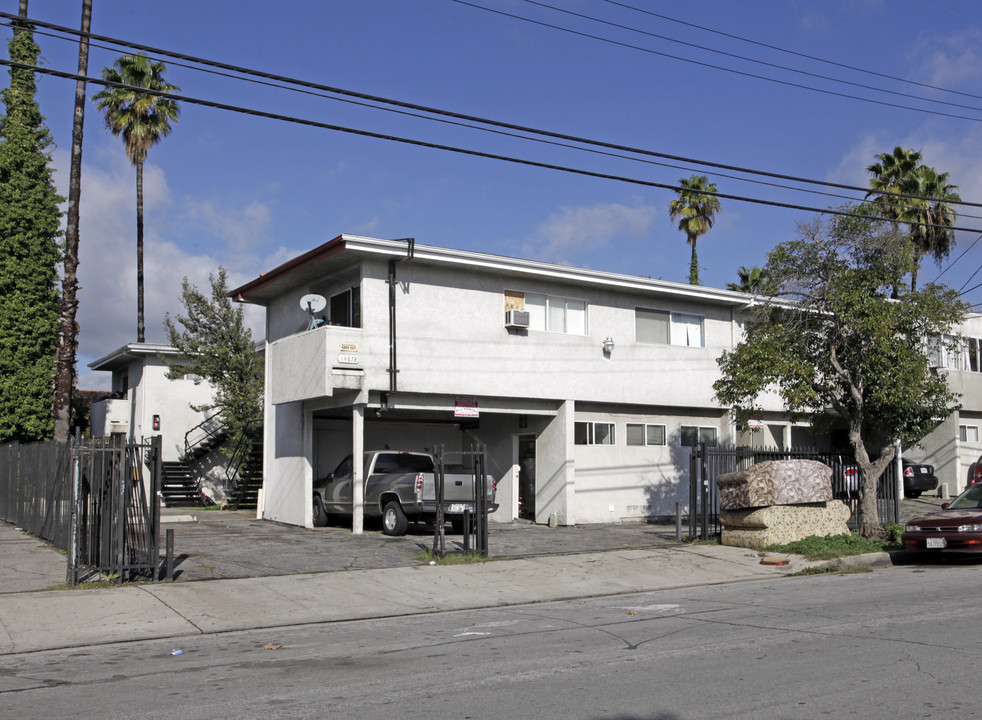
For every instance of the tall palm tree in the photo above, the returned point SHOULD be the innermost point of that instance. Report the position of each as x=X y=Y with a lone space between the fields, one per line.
x=893 y=172
x=754 y=280
x=928 y=213
x=934 y=235
x=142 y=119
x=695 y=211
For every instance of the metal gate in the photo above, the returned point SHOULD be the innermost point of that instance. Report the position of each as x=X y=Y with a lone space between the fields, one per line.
x=115 y=521
x=706 y=463
x=475 y=523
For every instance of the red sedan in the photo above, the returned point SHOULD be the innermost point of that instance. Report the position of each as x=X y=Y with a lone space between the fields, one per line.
x=956 y=527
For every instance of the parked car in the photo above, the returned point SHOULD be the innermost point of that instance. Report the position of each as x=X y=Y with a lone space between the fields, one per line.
x=918 y=478
x=399 y=487
x=956 y=527
x=977 y=471
x=845 y=477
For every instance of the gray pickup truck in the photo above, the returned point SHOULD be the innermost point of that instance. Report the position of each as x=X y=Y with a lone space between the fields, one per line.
x=399 y=486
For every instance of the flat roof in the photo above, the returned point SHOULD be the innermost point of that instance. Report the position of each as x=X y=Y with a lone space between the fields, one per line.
x=319 y=261
x=128 y=353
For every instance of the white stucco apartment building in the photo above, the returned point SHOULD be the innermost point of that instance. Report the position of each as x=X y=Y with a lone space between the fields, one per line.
x=144 y=401
x=586 y=387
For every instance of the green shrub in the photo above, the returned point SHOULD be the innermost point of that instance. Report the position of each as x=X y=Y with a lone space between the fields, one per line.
x=830 y=547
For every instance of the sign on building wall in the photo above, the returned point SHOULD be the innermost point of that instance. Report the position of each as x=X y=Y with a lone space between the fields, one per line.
x=465 y=406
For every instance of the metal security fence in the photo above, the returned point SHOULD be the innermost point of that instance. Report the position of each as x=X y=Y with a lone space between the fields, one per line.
x=90 y=499
x=35 y=492
x=706 y=463
x=116 y=527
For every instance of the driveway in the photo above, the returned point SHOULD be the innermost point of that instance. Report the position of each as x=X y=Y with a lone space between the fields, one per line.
x=225 y=544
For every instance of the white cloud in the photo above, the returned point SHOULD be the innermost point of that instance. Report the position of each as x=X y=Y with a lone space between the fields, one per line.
x=241 y=228
x=947 y=61
x=107 y=255
x=573 y=230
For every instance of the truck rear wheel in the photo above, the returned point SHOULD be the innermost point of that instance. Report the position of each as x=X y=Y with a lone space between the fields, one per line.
x=320 y=515
x=394 y=520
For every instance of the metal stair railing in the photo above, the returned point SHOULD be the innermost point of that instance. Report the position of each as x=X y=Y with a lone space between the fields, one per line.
x=238 y=475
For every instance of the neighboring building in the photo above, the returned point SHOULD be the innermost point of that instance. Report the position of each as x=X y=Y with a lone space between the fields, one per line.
x=954 y=447
x=144 y=402
x=586 y=387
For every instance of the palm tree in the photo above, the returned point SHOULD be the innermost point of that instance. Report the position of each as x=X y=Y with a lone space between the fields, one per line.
x=695 y=211
x=142 y=119
x=755 y=281
x=927 y=213
x=933 y=236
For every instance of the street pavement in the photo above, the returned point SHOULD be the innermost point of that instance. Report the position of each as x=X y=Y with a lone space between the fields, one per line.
x=233 y=572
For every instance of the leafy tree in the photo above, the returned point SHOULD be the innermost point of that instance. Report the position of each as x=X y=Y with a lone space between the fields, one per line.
x=29 y=231
x=695 y=211
x=753 y=280
x=219 y=348
x=142 y=119
x=836 y=340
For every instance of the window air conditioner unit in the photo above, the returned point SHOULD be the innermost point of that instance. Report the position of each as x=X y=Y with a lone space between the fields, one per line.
x=516 y=318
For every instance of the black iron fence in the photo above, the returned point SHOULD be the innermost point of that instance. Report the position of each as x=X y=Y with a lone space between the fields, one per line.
x=707 y=463
x=35 y=490
x=90 y=499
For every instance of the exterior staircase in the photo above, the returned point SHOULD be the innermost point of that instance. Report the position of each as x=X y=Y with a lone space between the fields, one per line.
x=179 y=487
x=243 y=486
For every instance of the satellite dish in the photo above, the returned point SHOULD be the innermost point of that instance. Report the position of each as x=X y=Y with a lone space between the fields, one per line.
x=313 y=303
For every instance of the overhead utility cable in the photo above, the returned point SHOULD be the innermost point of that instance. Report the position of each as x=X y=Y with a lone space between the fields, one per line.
x=806 y=56
x=744 y=58
x=447 y=148
x=461 y=116
x=734 y=71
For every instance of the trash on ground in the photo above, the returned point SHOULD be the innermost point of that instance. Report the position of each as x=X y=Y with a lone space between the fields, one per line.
x=176 y=651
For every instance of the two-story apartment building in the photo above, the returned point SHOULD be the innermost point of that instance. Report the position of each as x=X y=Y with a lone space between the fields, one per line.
x=587 y=387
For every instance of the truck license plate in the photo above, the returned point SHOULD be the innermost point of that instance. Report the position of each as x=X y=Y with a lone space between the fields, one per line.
x=457 y=508
x=936 y=543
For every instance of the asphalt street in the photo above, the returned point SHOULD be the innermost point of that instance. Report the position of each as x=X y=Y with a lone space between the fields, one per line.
x=897 y=642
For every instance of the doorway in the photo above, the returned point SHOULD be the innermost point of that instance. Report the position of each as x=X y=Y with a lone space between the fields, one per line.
x=526 y=477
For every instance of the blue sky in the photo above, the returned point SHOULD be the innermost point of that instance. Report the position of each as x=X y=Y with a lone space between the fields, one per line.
x=249 y=193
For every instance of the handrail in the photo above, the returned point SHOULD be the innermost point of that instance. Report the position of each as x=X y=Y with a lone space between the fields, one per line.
x=208 y=431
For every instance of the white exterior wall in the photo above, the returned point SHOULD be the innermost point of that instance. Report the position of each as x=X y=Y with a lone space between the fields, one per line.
x=953 y=458
x=451 y=342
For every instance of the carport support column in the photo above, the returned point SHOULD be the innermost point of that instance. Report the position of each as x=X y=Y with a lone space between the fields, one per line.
x=357 y=471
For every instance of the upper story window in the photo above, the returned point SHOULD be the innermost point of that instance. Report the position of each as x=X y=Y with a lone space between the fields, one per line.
x=344 y=309
x=968 y=433
x=664 y=328
x=552 y=313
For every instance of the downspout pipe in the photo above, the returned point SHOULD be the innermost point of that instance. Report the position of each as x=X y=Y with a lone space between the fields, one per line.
x=393 y=282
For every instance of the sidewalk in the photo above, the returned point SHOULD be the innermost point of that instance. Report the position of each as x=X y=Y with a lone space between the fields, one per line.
x=44 y=620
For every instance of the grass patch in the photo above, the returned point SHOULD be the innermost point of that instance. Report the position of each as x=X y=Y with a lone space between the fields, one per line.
x=832 y=547
x=836 y=569
x=427 y=556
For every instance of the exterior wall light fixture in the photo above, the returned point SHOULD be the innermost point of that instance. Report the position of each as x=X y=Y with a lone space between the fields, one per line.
x=608 y=345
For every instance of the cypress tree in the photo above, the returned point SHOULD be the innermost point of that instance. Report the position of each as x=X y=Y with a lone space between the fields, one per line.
x=29 y=254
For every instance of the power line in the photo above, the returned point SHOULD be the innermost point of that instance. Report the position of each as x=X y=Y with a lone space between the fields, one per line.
x=791 y=52
x=448 y=148
x=734 y=71
x=461 y=116
x=744 y=58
